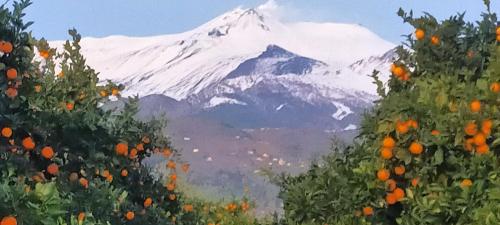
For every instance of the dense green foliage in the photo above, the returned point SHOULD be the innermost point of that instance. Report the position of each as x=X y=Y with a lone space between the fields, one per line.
x=428 y=153
x=66 y=160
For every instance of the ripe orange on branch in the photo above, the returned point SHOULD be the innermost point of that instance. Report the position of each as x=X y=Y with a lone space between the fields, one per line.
x=8 y=220
x=6 y=47
x=53 y=169
x=47 y=152
x=386 y=153
x=6 y=132
x=416 y=148
x=383 y=174
x=121 y=149
x=419 y=34
x=475 y=106
x=388 y=142
x=28 y=143
x=11 y=74
x=368 y=211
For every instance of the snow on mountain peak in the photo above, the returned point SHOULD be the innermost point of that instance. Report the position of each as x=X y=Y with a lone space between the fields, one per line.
x=180 y=65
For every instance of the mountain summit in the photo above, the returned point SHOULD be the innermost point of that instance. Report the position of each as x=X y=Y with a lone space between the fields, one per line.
x=181 y=65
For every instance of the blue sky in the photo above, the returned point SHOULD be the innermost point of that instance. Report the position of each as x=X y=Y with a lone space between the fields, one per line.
x=100 y=18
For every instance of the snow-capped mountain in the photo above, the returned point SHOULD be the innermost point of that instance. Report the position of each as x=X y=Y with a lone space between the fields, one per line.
x=181 y=65
x=248 y=62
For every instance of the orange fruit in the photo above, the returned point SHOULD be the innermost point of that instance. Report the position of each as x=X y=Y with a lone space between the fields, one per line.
x=399 y=170
x=11 y=74
x=435 y=132
x=148 y=202
x=388 y=142
x=81 y=216
x=109 y=178
x=245 y=206
x=188 y=208
x=391 y=184
x=415 y=181
x=84 y=182
x=8 y=220
x=28 y=143
x=495 y=87
x=498 y=30
x=6 y=132
x=70 y=106
x=479 y=139
x=386 y=153
x=171 y=197
x=140 y=147
x=412 y=123
x=47 y=152
x=368 y=211
x=398 y=71
x=124 y=173
x=115 y=91
x=129 y=215
x=475 y=106
x=486 y=126
x=435 y=40
x=53 y=169
x=466 y=183
x=171 y=186
x=419 y=34
x=121 y=149
x=470 y=128
x=11 y=92
x=405 y=77
x=133 y=153
x=38 y=88
x=416 y=148
x=171 y=164
x=391 y=199
x=6 y=47
x=383 y=174
x=105 y=173
x=482 y=149
x=402 y=127
x=167 y=153
x=44 y=54
x=399 y=193
x=498 y=37
x=173 y=177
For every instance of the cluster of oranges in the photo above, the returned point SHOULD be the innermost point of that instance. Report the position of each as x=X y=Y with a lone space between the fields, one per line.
x=400 y=72
x=29 y=144
x=475 y=137
x=11 y=73
x=122 y=149
x=420 y=35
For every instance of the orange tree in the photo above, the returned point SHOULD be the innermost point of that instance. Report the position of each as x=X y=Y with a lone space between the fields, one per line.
x=68 y=156
x=428 y=153
x=63 y=158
